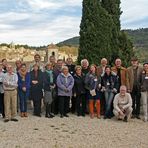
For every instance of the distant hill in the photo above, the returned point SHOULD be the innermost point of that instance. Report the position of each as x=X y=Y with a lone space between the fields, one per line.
x=139 y=37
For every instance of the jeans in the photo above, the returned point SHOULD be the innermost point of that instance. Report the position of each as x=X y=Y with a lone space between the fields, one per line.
x=144 y=97
x=109 y=95
x=23 y=101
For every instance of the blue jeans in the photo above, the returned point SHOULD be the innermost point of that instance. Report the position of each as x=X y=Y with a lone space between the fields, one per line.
x=23 y=101
x=109 y=95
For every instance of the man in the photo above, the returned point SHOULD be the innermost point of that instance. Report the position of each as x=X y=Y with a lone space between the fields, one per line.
x=123 y=104
x=85 y=66
x=121 y=72
x=133 y=74
x=37 y=60
x=52 y=60
x=101 y=71
x=101 y=68
x=10 y=80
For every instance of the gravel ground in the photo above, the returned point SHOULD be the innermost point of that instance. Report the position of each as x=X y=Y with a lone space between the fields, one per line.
x=73 y=132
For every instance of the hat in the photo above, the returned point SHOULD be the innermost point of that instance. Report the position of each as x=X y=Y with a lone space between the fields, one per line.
x=134 y=59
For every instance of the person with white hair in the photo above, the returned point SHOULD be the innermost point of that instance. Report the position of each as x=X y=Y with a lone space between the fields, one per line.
x=65 y=83
x=85 y=66
x=123 y=104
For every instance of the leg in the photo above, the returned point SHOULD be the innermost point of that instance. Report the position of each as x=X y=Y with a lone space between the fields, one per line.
x=78 y=105
x=98 y=108
x=7 y=104
x=137 y=97
x=66 y=104
x=145 y=103
x=13 y=103
x=61 y=105
x=128 y=112
x=83 y=104
x=91 y=108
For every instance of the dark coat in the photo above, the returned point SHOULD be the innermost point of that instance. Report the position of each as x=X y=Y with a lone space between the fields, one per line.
x=36 y=92
x=79 y=84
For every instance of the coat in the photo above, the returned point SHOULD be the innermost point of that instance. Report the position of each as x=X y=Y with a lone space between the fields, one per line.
x=143 y=79
x=130 y=77
x=65 y=84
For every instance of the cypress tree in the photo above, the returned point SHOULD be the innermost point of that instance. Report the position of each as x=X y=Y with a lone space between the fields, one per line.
x=95 y=32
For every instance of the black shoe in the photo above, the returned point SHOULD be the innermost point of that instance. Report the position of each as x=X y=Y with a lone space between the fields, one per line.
x=125 y=119
x=61 y=116
x=83 y=115
x=14 y=119
x=6 y=120
x=138 y=117
x=51 y=115
x=66 y=115
x=105 y=117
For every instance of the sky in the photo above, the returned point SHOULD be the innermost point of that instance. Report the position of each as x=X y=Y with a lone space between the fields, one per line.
x=41 y=22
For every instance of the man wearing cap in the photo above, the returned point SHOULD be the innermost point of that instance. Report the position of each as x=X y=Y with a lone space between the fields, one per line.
x=133 y=87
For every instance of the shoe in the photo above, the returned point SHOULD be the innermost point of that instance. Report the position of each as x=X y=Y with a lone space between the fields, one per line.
x=133 y=116
x=98 y=116
x=138 y=117
x=66 y=115
x=14 y=119
x=83 y=115
x=91 y=116
x=25 y=114
x=125 y=119
x=6 y=120
x=51 y=115
x=105 y=117
x=22 y=114
x=61 y=116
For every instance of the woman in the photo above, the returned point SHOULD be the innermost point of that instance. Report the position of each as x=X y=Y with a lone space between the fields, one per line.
x=23 y=89
x=144 y=90
x=65 y=83
x=49 y=87
x=93 y=84
x=79 y=91
x=109 y=87
x=36 y=93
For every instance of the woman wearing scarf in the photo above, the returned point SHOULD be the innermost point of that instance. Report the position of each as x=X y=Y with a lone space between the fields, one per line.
x=49 y=87
x=36 y=93
x=65 y=83
x=23 y=89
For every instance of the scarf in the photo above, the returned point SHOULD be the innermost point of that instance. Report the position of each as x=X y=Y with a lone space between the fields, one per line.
x=50 y=74
x=23 y=74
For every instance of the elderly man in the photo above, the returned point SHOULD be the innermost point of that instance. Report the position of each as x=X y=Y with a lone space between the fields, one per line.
x=133 y=74
x=121 y=72
x=10 y=80
x=123 y=104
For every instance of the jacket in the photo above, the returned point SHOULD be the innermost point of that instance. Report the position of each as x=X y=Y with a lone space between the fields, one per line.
x=65 y=84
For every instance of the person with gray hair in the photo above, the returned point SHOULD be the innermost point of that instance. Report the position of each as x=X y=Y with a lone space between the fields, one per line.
x=123 y=104
x=65 y=83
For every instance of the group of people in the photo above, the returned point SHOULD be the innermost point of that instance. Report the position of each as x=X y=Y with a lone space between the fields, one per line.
x=82 y=89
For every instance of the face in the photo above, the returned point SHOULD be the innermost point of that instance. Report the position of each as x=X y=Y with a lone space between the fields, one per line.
x=49 y=67
x=4 y=63
x=69 y=61
x=85 y=64
x=65 y=71
x=78 y=71
x=18 y=63
x=107 y=70
x=145 y=66
x=52 y=59
x=134 y=63
x=92 y=69
x=37 y=58
x=9 y=69
x=60 y=63
x=122 y=91
x=104 y=62
x=118 y=62
x=23 y=68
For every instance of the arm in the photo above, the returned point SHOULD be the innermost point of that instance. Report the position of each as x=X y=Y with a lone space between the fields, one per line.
x=129 y=102
x=115 y=103
x=71 y=84
x=59 y=83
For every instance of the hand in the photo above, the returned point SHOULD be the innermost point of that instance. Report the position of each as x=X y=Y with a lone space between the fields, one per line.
x=24 y=89
x=114 y=90
x=121 y=113
x=128 y=90
x=34 y=82
x=74 y=95
x=31 y=103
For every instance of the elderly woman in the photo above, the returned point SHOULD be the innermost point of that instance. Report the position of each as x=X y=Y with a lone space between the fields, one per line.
x=36 y=93
x=49 y=87
x=79 y=91
x=65 y=83
x=109 y=87
x=93 y=84
x=23 y=88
